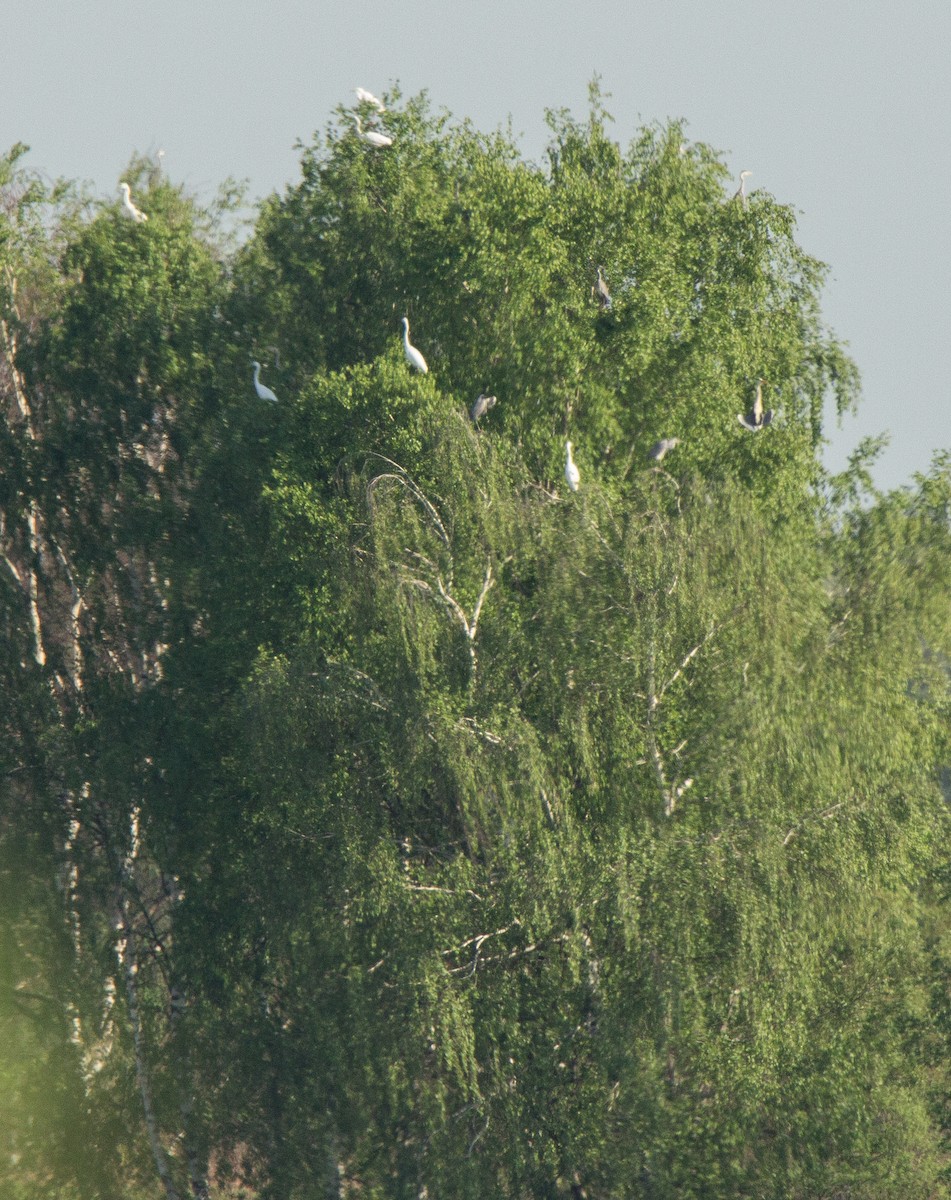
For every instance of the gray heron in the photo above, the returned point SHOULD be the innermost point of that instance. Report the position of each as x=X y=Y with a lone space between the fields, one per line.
x=740 y=193
x=659 y=449
x=482 y=406
x=756 y=419
x=603 y=293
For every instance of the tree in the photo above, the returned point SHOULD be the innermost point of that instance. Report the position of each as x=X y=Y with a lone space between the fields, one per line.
x=456 y=834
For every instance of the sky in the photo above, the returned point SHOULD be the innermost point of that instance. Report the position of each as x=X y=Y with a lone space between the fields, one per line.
x=840 y=108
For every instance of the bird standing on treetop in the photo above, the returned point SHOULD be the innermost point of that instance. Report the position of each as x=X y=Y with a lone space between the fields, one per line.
x=572 y=474
x=365 y=97
x=413 y=356
x=601 y=288
x=264 y=393
x=756 y=419
x=136 y=214
x=740 y=193
x=659 y=449
x=370 y=136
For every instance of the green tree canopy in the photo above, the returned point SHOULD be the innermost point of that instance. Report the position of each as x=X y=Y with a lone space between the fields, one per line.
x=421 y=827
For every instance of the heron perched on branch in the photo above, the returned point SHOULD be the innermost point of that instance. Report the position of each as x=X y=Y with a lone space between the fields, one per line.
x=135 y=214
x=264 y=393
x=659 y=449
x=482 y=406
x=413 y=356
x=365 y=97
x=740 y=193
x=756 y=419
x=371 y=136
x=572 y=474
x=602 y=291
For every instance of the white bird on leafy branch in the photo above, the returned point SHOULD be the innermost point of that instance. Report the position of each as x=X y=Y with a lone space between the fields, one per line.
x=413 y=356
x=371 y=136
x=136 y=214
x=264 y=393
x=365 y=97
x=572 y=474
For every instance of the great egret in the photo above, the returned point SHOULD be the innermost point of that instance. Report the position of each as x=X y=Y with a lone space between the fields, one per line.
x=482 y=406
x=601 y=287
x=136 y=214
x=572 y=474
x=264 y=393
x=756 y=419
x=370 y=136
x=740 y=193
x=413 y=356
x=659 y=449
x=365 y=97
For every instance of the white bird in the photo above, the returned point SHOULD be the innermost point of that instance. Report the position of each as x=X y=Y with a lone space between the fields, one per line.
x=370 y=136
x=365 y=97
x=659 y=449
x=572 y=474
x=264 y=393
x=601 y=287
x=482 y=406
x=135 y=213
x=413 y=356
x=756 y=419
x=740 y=193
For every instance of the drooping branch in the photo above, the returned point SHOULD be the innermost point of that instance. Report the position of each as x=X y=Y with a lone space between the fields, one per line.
x=469 y=627
x=127 y=955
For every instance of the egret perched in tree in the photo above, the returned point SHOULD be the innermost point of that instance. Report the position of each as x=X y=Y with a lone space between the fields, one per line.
x=740 y=193
x=136 y=214
x=413 y=356
x=365 y=97
x=572 y=474
x=756 y=419
x=264 y=393
x=659 y=449
x=601 y=288
x=370 y=136
x=482 y=406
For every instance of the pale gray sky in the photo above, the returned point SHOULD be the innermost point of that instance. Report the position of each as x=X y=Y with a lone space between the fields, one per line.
x=841 y=108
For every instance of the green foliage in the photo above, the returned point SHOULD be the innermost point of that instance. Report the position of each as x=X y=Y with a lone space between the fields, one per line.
x=475 y=837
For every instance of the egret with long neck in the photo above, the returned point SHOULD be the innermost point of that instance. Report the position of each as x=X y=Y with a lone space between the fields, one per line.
x=136 y=214
x=264 y=393
x=413 y=356
x=370 y=136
